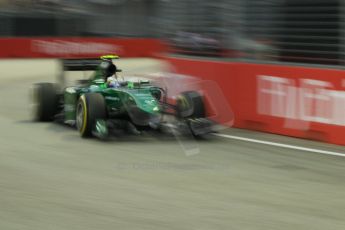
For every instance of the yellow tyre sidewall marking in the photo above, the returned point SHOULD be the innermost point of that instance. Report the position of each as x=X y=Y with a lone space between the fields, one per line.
x=83 y=128
x=184 y=102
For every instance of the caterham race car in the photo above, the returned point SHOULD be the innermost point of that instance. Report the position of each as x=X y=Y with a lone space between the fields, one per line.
x=103 y=103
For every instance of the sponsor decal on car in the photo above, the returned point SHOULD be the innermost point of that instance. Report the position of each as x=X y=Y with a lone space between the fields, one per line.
x=112 y=98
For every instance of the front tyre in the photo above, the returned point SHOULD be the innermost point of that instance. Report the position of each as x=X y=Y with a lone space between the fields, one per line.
x=190 y=104
x=191 y=108
x=90 y=108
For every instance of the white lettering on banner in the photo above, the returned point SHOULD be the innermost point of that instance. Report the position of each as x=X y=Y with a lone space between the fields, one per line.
x=274 y=91
x=59 y=47
x=315 y=103
x=312 y=101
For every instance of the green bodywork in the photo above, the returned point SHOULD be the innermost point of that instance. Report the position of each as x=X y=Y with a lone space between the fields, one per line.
x=118 y=100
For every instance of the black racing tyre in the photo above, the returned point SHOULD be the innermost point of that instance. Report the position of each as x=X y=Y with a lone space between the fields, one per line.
x=90 y=107
x=190 y=104
x=45 y=101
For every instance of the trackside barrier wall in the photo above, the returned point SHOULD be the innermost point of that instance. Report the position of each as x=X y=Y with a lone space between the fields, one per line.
x=294 y=101
x=78 y=47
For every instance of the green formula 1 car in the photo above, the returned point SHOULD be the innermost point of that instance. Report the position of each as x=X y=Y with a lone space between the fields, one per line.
x=99 y=107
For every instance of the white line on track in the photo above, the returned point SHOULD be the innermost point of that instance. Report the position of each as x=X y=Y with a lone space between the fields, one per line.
x=281 y=145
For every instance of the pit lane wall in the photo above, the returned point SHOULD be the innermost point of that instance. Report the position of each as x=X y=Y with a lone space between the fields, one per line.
x=294 y=101
x=76 y=47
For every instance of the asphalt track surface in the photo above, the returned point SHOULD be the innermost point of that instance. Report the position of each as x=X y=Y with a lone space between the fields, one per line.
x=50 y=178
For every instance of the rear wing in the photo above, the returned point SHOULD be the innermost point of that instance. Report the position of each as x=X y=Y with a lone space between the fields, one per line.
x=80 y=64
x=90 y=64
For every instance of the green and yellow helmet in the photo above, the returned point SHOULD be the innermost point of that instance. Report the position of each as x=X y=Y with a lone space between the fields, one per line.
x=107 y=66
x=109 y=57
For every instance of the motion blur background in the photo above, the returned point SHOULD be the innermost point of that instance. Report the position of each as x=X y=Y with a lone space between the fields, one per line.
x=298 y=31
x=279 y=65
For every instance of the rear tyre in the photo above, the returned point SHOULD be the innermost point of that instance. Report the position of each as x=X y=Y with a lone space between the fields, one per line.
x=90 y=107
x=45 y=101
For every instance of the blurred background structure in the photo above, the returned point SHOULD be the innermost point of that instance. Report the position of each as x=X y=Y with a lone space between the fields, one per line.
x=299 y=31
x=278 y=66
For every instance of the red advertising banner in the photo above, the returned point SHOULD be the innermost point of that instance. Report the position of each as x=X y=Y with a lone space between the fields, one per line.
x=77 y=47
x=295 y=101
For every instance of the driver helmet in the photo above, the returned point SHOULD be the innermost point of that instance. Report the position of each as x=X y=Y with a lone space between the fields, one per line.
x=107 y=65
